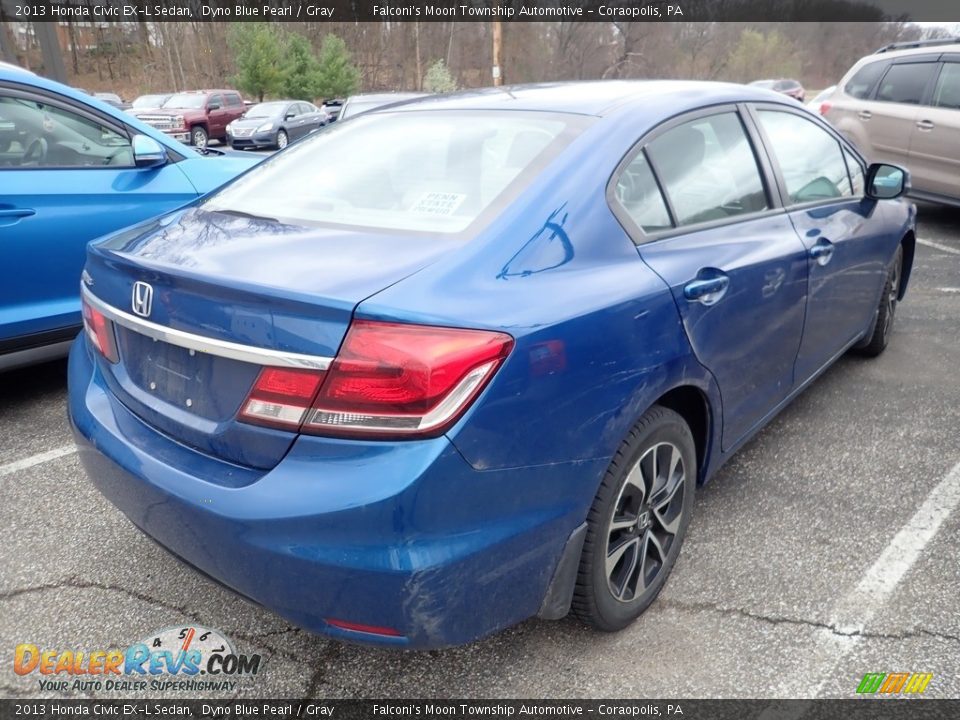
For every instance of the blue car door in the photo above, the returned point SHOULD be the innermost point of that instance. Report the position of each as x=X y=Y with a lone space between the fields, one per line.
x=67 y=176
x=697 y=199
x=848 y=247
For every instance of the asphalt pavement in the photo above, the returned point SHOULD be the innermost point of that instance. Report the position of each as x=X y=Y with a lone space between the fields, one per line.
x=825 y=550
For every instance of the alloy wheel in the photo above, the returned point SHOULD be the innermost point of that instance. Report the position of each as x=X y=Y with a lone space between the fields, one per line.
x=892 y=296
x=646 y=518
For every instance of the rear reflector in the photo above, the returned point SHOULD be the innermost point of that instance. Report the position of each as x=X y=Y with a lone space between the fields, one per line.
x=393 y=379
x=281 y=397
x=360 y=627
x=100 y=332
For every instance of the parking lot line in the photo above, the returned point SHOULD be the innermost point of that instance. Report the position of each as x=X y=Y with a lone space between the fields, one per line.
x=938 y=246
x=882 y=578
x=858 y=608
x=43 y=457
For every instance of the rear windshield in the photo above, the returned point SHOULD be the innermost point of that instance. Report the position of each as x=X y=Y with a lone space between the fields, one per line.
x=420 y=171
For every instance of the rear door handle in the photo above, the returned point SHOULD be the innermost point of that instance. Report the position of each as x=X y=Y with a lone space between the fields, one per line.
x=925 y=124
x=864 y=114
x=822 y=252
x=706 y=291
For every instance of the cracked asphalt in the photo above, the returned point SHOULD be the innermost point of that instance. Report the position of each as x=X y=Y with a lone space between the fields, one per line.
x=755 y=606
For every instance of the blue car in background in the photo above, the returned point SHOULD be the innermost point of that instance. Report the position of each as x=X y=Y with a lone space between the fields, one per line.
x=73 y=168
x=478 y=375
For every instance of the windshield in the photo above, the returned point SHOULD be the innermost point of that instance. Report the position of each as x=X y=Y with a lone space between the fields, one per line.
x=149 y=101
x=432 y=172
x=186 y=101
x=265 y=110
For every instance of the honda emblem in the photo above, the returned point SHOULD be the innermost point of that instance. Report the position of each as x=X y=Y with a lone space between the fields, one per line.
x=142 y=301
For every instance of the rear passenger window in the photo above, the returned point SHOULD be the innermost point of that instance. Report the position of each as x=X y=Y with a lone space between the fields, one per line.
x=863 y=81
x=233 y=99
x=856 y=173
x=947 y=92
x=905 y=83
x=811 y=160
x=708 y=170
x=640 y=196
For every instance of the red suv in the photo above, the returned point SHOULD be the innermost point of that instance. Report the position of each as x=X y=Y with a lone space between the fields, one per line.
x=196 y=116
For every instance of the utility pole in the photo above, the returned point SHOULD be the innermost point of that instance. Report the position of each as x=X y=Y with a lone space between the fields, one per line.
x=497 y=43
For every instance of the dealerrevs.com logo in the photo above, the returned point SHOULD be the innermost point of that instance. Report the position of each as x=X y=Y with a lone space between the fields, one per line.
x=182 y=658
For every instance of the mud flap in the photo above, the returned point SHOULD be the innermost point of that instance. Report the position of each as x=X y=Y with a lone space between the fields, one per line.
x=556 y=602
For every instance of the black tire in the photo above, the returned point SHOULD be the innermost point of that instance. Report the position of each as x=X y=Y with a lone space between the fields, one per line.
x=282 y=139
x=877 y=341
x=610 y=599
x=199 y=137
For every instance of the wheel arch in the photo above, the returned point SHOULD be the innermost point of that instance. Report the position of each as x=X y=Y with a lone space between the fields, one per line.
x=693 y=405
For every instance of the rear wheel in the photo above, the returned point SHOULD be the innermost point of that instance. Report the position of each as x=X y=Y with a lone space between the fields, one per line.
x=638 y=521
x=198 y=137
x=282 y=139
x=877 y=342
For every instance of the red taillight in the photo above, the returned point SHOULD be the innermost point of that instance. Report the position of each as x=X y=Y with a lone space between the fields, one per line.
x=360 y=627
x=824 y=108
x=397 y=379
x=389 y=379
x=100 y=332
x=281 y=397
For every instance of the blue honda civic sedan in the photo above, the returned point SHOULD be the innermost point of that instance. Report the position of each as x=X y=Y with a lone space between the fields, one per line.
x=478 y=374
x=73 y=168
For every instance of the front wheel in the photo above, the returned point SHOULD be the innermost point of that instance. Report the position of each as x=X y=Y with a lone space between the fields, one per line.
x=638 y=521
x=198 y=138
x=877 y=342
x=282 y=139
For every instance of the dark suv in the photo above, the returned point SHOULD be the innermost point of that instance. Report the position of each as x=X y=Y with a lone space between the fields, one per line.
x=197 y=116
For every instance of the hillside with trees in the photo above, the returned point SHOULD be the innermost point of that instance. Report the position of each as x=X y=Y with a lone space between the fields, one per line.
x=331 y=59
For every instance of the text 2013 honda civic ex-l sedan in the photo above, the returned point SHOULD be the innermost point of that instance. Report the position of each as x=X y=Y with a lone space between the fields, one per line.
x=477 y=374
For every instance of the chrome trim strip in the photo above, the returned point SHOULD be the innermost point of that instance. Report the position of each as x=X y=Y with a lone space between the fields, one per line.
x=200 y=343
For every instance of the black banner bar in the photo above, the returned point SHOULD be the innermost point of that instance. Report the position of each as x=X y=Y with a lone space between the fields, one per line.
x=480 y=10
x=874 y=708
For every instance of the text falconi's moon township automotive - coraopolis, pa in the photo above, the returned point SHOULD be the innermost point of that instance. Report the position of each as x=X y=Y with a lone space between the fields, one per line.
x=469 y=11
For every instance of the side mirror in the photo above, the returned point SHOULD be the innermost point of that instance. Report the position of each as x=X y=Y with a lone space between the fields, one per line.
x=213 y=106
x=886 y=182
x=289 y=116
x=147 y=152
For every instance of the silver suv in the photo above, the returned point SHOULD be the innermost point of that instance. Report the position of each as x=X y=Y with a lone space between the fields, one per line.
x=902 y=105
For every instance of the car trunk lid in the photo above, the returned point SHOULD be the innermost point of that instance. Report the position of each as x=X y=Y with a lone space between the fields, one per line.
x=229 y=295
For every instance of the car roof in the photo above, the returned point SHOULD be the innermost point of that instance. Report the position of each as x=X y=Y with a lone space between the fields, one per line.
x=387 y=97
x=598 y=97
x=15 y=68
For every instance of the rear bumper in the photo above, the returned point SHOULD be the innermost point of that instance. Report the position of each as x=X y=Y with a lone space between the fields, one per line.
x=401 y=535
